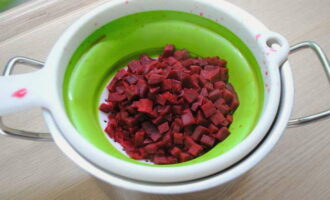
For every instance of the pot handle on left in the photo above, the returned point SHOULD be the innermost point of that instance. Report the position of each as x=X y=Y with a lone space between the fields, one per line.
x=19 y=92
x=326 y=66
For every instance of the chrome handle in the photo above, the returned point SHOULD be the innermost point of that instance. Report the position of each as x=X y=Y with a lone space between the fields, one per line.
x=7 y=131
x=326 y=66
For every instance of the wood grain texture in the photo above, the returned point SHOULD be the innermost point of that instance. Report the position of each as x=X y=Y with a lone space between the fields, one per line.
x=297 y=168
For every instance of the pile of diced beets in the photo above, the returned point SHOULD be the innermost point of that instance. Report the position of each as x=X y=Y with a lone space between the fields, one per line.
x=171 y=109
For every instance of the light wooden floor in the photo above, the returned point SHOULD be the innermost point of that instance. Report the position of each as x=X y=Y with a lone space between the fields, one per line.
x=297 y=168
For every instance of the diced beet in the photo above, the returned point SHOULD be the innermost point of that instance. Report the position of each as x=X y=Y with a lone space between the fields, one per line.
x=151 y=130
x=131 y=92
x=213 y=128
x=190 y=95
x=200 y=118
x=188 y=130
x=218 y=119
x=208 y=109
x=171 y=85
x=181 y=54
x=224 y=108
x=139 y=138
x=207 y=141
x=222 y=134
x=163 y=128
x=116 y=97
x=171 y=109
x=168 y=51
x=106 y=107
x=176 y=152
x=198 y=132
x=229 y=119
x=164 y=160
x=195 y=149
x=177 y=109
x=228 y=95
x=178 y=138
x=158 y=120
x=187 y=118
x=155 y=79
x=135 y=66
x=161 y=100
x=145 y=59
x=216 y=61
x=220 y=85
x=195 y=69
x=188 y=142
x=154 y=90
x=215 y=94
x=151 y=148
x=197 y=104
x=175 y=74
x=204 y=92
x=176 y=125
x=211 y=75
x=183 y=157
x=144 y=105
x=131 y=79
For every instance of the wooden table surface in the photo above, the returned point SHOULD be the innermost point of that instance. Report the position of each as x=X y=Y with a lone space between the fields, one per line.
x=297 y=168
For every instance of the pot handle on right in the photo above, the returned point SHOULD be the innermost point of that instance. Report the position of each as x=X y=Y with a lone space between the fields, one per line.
x=326 y=66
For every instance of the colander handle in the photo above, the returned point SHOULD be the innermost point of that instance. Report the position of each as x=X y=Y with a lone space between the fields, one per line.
x=326 y=66
x=4 y=130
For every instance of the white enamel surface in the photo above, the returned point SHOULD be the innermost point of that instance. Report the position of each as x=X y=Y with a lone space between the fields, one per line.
x=22 y=91
x=198 y=185
x=242 y=24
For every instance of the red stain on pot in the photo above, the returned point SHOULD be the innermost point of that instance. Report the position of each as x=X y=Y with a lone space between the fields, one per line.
x=266 y=73
x=20 y=93
x=126 y=2
x=258 y=36
x=273 y=50
x=201 y=14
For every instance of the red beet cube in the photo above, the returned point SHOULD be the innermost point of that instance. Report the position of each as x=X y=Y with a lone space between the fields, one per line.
x=219 y=85
x=187 y=118
x=116 y=97
x=176 y=125
x=168 y=51
x=151 y=148
x=228 y=95
x=163 y=128
x=204 y=92
x=195 y=69
x=151 y=130
x=178 y=138
x=183 y=157
x=143 y=105
x=218 y=119
x=145 y=59
x=164 y=160
x=190 y=95
x=139 y=138
x=155 y=79
x=229 y=119
x=106 y=107
x=181 y=54
x=175 y=152
x=135 y=66
x=222 y=134
x=177 y=109
x=198 y=132
x=195 y=149
x=208 y=109
x=213 y=129
x=207 y=140
x=215 y=94
x=200 y=118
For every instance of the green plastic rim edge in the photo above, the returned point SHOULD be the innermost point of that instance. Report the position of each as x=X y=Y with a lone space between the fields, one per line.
x=112 y=46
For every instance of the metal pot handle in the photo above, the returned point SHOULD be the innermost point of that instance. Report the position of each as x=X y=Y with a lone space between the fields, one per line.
x=4 y=130
x=325 y=63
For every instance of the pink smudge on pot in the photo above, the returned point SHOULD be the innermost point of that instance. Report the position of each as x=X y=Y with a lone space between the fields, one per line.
x=20 y=93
